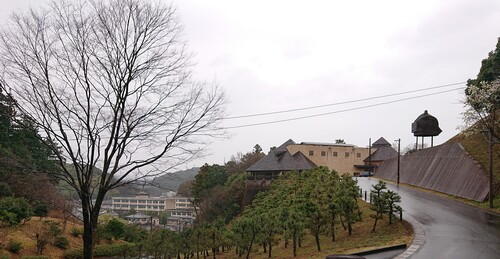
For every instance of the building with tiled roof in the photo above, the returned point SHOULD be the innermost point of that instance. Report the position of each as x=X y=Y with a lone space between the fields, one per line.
x=291 y=156
x=383 y=150
x=280 y=160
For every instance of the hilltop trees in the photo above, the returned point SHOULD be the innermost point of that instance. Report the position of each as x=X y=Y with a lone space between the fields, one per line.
x=109 y=83
x=26 y=163
x=483 y=105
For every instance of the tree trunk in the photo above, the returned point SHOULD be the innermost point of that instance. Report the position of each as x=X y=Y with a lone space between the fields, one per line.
x=342 y=222
x=213 y=246
x=89 y=229
x=270 y=249
x=390 y=214
x=294 y=244
x=332 y=226
x=90 y=218
x=375 y=224
x=250 y=246
x=316 y=238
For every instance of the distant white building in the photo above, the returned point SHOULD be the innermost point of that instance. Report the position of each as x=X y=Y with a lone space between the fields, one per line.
x=182 y=212
x=142 y=202
x=142 y=219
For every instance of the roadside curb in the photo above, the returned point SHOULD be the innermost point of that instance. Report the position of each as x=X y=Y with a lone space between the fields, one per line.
x=418 y=239
x=381 y=249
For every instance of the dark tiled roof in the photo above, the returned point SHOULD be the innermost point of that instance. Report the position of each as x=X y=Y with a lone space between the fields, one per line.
x=138 y=216
x=383 y=153
x=381 y=142
x=284 y=145
x=280 y=159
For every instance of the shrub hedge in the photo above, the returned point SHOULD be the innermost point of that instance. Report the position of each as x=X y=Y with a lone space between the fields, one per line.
x=103 y=251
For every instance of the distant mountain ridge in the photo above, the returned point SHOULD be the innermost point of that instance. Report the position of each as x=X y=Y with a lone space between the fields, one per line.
x=170 y=181
x=159 y=185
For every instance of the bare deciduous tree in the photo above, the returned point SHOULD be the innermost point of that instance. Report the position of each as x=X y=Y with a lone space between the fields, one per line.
x=110 y=83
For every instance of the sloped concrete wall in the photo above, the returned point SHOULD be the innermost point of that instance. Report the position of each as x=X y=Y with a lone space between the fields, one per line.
x=447 y=168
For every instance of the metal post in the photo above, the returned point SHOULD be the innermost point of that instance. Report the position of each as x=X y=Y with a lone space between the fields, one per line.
x=416 y=144
x=490 y=155
x=399 y=157
x=369 y=154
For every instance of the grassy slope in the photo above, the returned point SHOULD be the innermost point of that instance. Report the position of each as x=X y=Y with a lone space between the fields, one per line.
x=362 y=239
x=477 y=146
x=26 y=235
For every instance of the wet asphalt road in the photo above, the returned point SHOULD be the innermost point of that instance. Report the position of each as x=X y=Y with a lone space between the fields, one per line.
x=453 y=229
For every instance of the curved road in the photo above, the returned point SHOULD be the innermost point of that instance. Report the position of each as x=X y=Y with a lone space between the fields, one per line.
x=453 y=229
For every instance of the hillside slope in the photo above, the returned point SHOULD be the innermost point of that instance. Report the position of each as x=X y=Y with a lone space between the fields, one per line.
x=476 y=144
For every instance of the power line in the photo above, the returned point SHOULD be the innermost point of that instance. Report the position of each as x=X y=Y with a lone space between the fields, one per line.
x=340 y=111
x=340 y=103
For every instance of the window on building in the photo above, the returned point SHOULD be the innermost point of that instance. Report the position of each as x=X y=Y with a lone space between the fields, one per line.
x=323 y=153
x=346 y=154
x=358 y=154
x=335 y=154
x=311 y=153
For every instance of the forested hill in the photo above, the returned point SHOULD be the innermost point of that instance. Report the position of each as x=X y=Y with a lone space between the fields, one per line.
x=161 y=184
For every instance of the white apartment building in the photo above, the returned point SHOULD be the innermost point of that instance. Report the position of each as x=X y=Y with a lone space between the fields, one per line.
x=142 y=202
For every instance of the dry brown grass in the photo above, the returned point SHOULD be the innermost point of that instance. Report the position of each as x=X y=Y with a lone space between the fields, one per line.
x=25 y=233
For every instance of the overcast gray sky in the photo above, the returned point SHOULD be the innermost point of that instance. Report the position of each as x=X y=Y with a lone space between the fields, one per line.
x=281 y=55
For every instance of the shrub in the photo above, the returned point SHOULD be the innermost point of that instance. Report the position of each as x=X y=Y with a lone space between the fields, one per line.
x=4 y=257
x=54 y=228
x=14 y=246
x=40 y=210
x=76 y=232
x=122 y=249
x=61 y=242
x=14 y=210
x=115 y=228
x=35 y=257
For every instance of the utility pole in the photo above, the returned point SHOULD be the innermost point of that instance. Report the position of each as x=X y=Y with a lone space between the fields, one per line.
x=399 y=157
x=490 y=155
x=370 y=155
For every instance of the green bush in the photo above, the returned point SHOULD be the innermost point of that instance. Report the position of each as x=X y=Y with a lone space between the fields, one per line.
x=115 y=228
x=40 y=210
x=35 y=257
x=4 y=257
x=14 y=210
x=14 y=246
x=104 y=251
x=54 y=227
x=61 y=242
x=76 y=232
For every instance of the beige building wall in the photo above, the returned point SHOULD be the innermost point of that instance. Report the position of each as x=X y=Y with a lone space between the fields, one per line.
x=338 y=157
